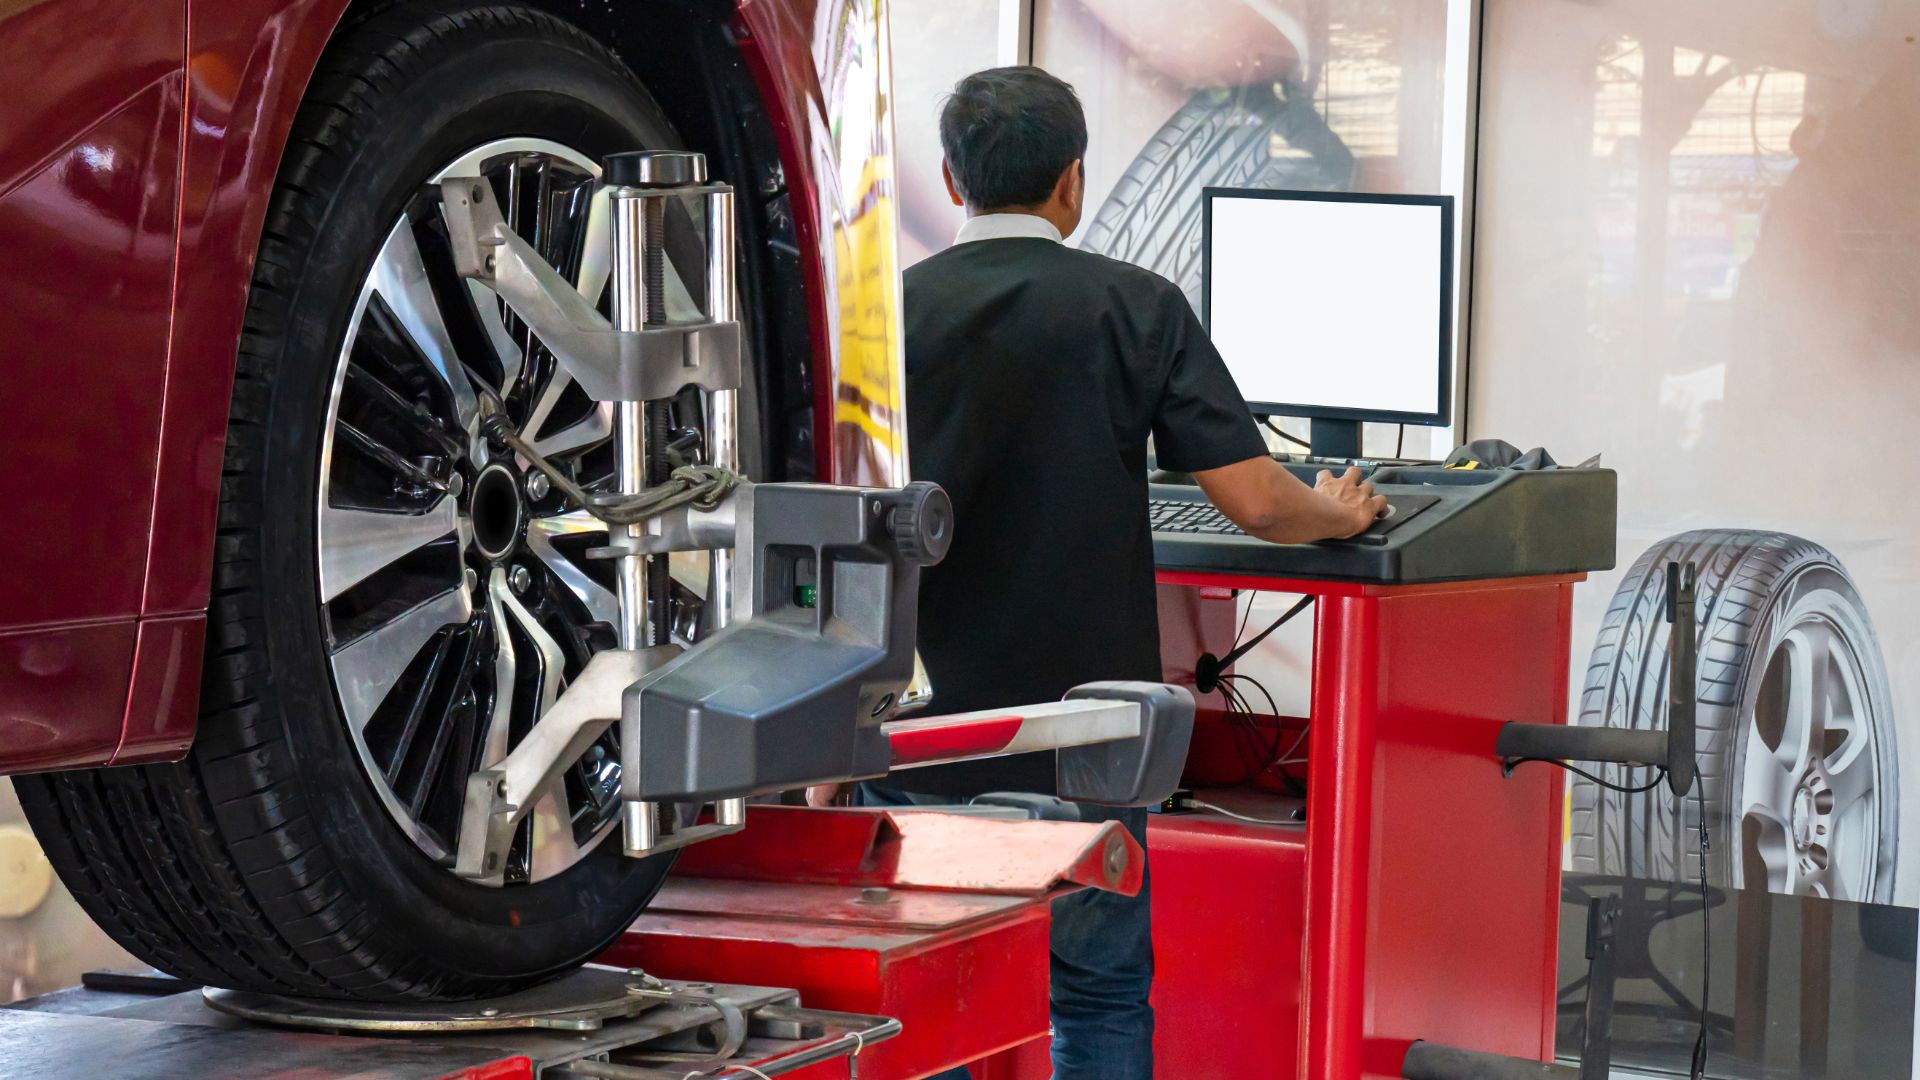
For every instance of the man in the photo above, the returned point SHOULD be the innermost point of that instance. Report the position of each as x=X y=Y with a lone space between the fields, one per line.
x=1035 y=375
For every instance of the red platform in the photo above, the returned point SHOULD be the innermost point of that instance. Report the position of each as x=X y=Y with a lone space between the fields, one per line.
x=935 y=919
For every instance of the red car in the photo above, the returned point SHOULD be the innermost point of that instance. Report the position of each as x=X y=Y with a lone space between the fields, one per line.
x=248 y=674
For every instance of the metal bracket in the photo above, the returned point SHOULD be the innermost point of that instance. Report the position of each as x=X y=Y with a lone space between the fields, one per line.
x=1672 y=749
x=498 y=798
x=644 y=835
x=609 y=364
x=1596 y=1048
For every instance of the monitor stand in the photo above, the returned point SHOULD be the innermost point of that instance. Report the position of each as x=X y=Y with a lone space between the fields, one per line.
x=1335 y=438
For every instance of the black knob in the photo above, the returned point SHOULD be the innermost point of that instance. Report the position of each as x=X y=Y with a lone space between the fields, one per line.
x=654 y=169
x=922 y=523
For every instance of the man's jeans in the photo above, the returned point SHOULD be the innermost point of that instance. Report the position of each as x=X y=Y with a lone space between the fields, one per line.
x=1102 y=965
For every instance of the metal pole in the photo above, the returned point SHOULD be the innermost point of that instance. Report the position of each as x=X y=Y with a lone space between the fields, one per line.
x=630 y=456
x=723 y=406
x=723 y=431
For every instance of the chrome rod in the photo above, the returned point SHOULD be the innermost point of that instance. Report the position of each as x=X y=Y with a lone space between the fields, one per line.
x=630 y=417
x=723 y=406
x=723 y=430
x=629 y=288
x=642 y=828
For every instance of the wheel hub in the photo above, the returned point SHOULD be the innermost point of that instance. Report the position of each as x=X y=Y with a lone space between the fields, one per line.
x=497 y=511
x=1803 y=815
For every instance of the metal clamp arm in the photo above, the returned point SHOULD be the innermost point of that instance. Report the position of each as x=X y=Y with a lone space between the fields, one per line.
x=610 y=365
x=500 y=797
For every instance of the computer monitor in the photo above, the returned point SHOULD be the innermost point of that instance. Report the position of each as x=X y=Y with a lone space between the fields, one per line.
x=1332 y=306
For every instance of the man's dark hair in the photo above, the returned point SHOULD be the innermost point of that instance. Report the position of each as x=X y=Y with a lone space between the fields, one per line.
x=1008 y=134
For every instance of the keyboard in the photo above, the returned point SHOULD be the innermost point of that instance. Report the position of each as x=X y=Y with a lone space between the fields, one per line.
x=1183 y=516
x=1169 y=515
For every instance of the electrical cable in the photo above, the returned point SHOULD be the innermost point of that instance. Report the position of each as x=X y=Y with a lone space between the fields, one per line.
x=1400 y=442
x=1241 y=650
x=1699 y=1070
x=1660 y=774
x=1288 y=436
x=1210 y=675
x=1204 y=805
x=1245 y=617
x=1274 y=757
x=1245 y=738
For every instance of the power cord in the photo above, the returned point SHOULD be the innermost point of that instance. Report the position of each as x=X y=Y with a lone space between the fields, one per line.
x=1210 y=676
x=1288 y=436
x=1659 y=776
x=1201 y=804
x=1699 y=1070
x=1207 y=670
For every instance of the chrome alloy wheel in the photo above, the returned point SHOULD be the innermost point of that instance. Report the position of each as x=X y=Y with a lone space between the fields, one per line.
x=454 y=591
x=1809 y=802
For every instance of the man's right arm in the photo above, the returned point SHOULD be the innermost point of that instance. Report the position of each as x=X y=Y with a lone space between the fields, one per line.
x=1266 y=500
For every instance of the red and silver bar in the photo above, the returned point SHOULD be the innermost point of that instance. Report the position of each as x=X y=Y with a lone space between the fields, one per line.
x=1055 y=725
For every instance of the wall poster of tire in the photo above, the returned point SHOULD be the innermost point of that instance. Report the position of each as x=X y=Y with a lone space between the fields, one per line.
x=1693 y=229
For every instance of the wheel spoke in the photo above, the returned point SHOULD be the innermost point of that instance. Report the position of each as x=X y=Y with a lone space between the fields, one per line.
x=595 y=427
x=1852 y=780
x=356 y=544
x=1809 y=689
x=552 y=662
x=1766 y=786
x=366 y=668
x=596 y=256
x=498 y=738
x=417 y=709
x=400 y=278
x=541 y=533
x=396 y=463
x=412 y=413
x=1769 y=837
x=488 y=311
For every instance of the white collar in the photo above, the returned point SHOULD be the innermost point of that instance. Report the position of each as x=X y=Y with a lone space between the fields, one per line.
x=1002 y=226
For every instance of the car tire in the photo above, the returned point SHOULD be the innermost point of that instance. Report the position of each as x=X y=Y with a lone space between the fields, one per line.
x=1776 y=616
x=266 y=860
x=1220 y=138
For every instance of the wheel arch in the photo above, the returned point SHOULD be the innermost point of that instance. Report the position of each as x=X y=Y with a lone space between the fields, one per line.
x=249 y=64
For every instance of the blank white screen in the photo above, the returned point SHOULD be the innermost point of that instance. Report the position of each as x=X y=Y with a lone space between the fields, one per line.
x=1328 y=303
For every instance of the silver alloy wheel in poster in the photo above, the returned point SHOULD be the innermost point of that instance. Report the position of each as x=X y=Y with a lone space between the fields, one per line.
x=1810 y=761
x=454 y=591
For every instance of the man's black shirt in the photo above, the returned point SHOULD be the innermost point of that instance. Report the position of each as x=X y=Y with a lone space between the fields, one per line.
x=1035 y=374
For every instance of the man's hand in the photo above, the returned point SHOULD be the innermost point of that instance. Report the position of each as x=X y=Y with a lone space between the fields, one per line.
x=1267 y=501
x=1354 y=494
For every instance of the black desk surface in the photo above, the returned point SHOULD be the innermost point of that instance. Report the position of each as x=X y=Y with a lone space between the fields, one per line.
x=1454 y=525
